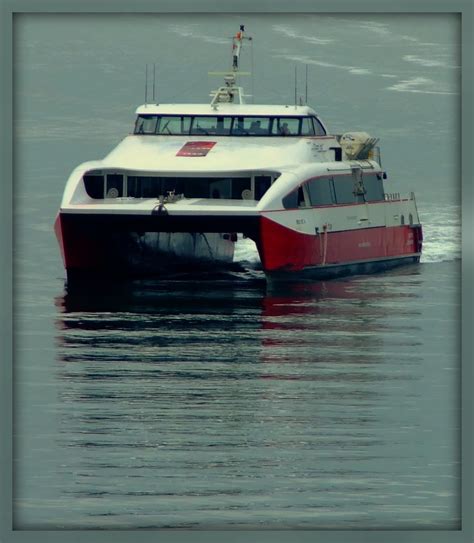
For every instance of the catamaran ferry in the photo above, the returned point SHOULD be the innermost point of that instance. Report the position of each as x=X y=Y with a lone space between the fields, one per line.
x=176 y=193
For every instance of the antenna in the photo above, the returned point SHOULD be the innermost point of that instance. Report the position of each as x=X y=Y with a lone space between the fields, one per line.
x=252 y=71
x=236 y=47
x=295 y=86
x=154 y=69
x=306 y=94
x=230 y=92
x=146 y=83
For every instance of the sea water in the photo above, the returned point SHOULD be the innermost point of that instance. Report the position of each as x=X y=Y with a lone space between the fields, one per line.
x=220 y=401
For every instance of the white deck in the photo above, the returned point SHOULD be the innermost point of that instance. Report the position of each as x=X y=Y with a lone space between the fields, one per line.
x=159 y=153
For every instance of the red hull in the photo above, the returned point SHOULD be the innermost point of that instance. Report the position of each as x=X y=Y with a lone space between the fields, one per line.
x=79 y=250
x=283 y=249
x=90 y=245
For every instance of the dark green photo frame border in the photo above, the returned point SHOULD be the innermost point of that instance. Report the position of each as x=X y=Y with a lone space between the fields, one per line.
x=8 y=9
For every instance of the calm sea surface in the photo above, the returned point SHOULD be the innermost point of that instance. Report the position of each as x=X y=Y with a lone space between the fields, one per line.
x=221 y=401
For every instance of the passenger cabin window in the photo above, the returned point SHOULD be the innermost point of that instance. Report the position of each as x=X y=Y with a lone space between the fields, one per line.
x=262 y=184
x=114 y=187
x=344 y=189
x=238 y=188
x=373 y=184
x=94 y=185
x=295 y=199
x=190 y=187
x=233 y=188
x=321 y=191
x=222 y=125
x=339 y=189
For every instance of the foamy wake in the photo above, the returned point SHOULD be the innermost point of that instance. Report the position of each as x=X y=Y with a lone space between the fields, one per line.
x=441 y=233
x=290 y=32
x=422 y=85
x=428 y=62
x=381 y=29
x=246 y=251
x=306 y=60
x=189 y=31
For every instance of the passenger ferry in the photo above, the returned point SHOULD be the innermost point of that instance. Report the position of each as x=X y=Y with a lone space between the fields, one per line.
x=176 y=193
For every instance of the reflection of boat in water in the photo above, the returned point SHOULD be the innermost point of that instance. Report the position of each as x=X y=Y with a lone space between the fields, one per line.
x=186 y=293
x=177 y=191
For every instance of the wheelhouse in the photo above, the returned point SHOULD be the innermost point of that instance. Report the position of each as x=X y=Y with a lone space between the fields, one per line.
x=228 y=125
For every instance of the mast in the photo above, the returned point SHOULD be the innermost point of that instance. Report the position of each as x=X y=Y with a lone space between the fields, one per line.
x=237 y=46
x=230 y=92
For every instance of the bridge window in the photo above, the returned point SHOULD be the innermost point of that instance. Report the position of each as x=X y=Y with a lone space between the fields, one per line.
x=146 y=124
x=220 y=125
x=211 y=126
x=251 y=126
x=318 y=127
x=307 y=127
x=286 y=126
x=173 y=126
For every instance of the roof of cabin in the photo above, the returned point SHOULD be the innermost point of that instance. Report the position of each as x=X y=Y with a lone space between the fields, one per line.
x=225 y=109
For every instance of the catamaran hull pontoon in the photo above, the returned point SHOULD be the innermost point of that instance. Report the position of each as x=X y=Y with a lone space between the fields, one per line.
x=151 y=245
x=105 y=246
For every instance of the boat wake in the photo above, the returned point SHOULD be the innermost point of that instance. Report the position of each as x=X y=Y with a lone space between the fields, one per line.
x=420 y=85
x=290 y=32
x=246 y=253
x=441 y=233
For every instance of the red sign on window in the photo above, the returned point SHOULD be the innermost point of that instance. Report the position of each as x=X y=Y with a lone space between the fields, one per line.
x=196 y=148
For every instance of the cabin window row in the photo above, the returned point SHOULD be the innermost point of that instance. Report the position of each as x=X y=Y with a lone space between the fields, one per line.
x=119 y=186
x=331 y=190
x=219 y=125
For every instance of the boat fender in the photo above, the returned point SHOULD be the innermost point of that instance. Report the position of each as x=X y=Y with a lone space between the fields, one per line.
x=159 y=209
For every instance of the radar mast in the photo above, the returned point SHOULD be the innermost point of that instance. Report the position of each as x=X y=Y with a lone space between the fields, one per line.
x=230 y=92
